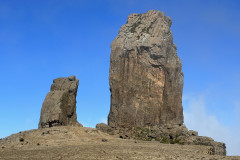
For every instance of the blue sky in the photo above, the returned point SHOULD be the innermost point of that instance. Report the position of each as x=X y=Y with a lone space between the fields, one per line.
x=44 y=39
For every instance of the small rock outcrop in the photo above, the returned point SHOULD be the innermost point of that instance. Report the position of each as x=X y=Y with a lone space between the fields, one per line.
x=59 y=106
x=146 y=79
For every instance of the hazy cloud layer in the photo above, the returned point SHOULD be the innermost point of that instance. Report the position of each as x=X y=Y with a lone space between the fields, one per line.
x=197 y=118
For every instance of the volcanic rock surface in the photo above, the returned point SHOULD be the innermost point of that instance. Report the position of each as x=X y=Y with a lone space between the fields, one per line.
x=146 y=78
x=146 y=83
x=59 y=106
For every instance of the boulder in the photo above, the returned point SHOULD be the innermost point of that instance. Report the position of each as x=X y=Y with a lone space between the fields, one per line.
x=103 y=127
x=146 y=78
x=106 y=128
x=59 y=106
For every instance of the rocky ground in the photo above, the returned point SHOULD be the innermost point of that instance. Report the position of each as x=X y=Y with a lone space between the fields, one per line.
x=88 y=143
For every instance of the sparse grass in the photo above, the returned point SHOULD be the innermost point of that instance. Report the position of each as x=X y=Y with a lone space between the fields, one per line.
x=143 y=130
x=177 y=141
x=143 y=134
x=165 y=140
x=146 y=134
x=148 y=139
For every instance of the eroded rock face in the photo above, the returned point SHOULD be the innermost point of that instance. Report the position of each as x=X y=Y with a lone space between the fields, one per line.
x=59 y=106
x=146 y=78
x=146 y=83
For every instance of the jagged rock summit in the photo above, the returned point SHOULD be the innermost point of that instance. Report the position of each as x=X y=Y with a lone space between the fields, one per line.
x=146 y=78
x=59 y=106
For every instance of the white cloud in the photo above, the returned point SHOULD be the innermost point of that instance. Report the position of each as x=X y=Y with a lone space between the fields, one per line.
x=197 y=118
x=237 y=111
x=104 y=120
x=29 y=123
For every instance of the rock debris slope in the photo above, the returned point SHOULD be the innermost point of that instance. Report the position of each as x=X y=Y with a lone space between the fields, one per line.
x=146 y=78
x=59 y=106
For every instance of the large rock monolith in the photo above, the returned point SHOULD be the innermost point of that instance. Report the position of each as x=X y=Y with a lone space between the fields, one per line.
x=146 y=83
x=59 y=106
x=146 y=79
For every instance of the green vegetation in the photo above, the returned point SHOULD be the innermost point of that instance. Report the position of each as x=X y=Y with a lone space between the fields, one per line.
x=148 y=135
x=143 y=134
x=168 y=140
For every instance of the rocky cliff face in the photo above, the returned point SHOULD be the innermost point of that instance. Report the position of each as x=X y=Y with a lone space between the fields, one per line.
x=146 y=83
x=59 y=106
x=146 y=78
